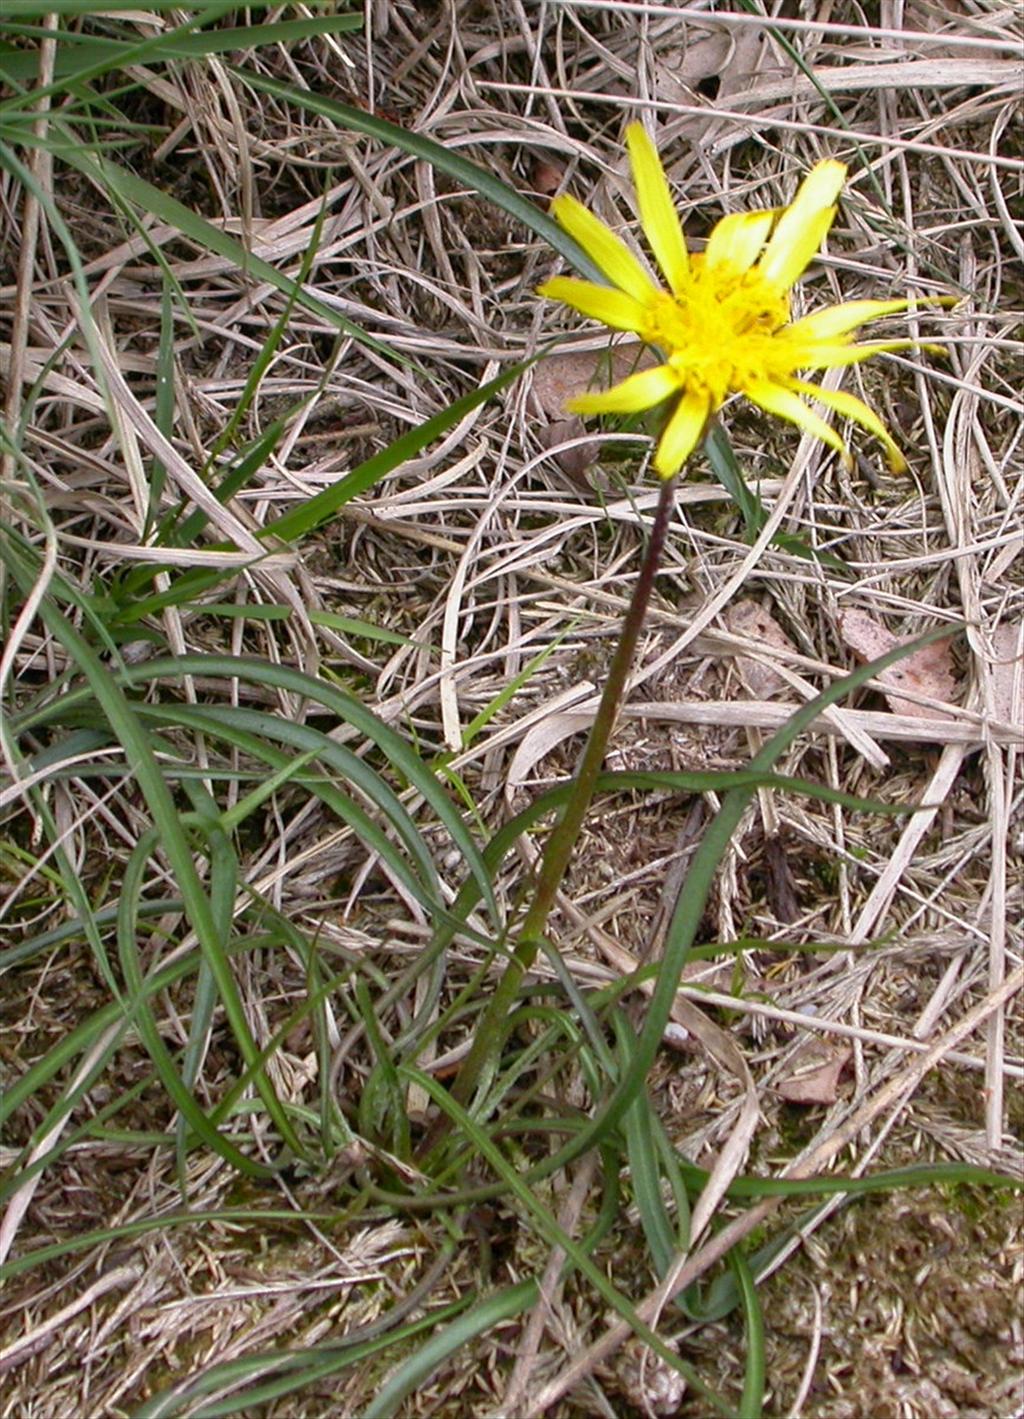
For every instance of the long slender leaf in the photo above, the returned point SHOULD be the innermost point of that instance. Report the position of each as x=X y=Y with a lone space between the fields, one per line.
x=82 y=57
x=482 y=1316
x=696 y=886
x=250 y=730
x=663 y=1242
x=349 y=709
x=752 y=1400
x=85 y=1241
x=323 y=505
x=33 y=10
x=549 y=1228
x=295 y=1370
x=137 y=192
x=443 y=159
x=176 y=1087
x=126 y=726
x=223 y=888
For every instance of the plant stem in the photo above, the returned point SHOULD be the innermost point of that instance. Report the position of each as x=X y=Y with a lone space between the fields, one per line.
x=560 y=844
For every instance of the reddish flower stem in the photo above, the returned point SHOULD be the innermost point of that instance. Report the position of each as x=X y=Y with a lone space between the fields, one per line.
x=560 y=844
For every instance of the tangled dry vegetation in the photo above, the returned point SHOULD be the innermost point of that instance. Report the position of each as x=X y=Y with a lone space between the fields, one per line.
x=470 y=598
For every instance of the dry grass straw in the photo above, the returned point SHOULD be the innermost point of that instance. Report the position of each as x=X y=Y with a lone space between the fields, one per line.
x=482 y=552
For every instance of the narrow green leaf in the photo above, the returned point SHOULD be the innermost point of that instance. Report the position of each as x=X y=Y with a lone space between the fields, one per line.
x=549 y=1228
x=110 y=176
x=238 y=475
x=175 y=1086
x=86 y=1241
x=82 y=57
x=127 y=728
x=752 y=1400
x=348 y=708
x=726 y=469
x=33 y=10
x=446 y=160
x=295 y=1370
x=697 y=885
x=323 y=505
x=482 y=1316
x=166 y=399
x=663 y=1242
x=352 y=626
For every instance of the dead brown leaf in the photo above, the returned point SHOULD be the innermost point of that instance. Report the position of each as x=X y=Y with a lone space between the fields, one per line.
x=749 y=619
x=928 y=671
x=713 y=51
x=780 y=881
x=935 y=16
x=814 y=1077
x=1007 y=670
x=559 y=377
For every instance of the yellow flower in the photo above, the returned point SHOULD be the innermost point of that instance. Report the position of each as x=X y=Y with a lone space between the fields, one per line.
x=723 y=326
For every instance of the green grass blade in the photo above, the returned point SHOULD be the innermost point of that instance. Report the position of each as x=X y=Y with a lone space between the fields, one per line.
x=715 y=842
x=727 y=470
x=85 y=1241
x=347 y=708
x=752 y=1400
x=382 y=1113
x=135 y=191
x=75 y=9
x=508 y=691
x=352 y=626
x=245 y=467
x=323 y=505
x=645 y=1177
x=695 y=890
x=193 y=1116
x=583 y=1006
x=127 y=728
x=78 y=927
x=271 y=342
x=421 y=1367
x=223 y=888
x=333 y=699
x=297 y=1370
x=663 y=1241
x=17 y=1092
x=83 y=57
x=166 y=400
x=446 y=160
x=250 y=731
x=548 y=1227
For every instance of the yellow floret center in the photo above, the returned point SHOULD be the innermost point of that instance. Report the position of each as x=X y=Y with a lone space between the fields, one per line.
x=720 y=334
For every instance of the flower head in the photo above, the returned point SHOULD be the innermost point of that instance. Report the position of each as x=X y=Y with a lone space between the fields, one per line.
x=723 y=325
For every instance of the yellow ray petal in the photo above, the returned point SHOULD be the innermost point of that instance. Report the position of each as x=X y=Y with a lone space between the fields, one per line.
x=604 y=248
x=802 y=226
x=737 y=240
x=825 y=355
x=841 y=319
x=639 y=391
x=658 y=215
x=682 y=433
x=612 y=308
x=779 y=400
x=853 y=408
